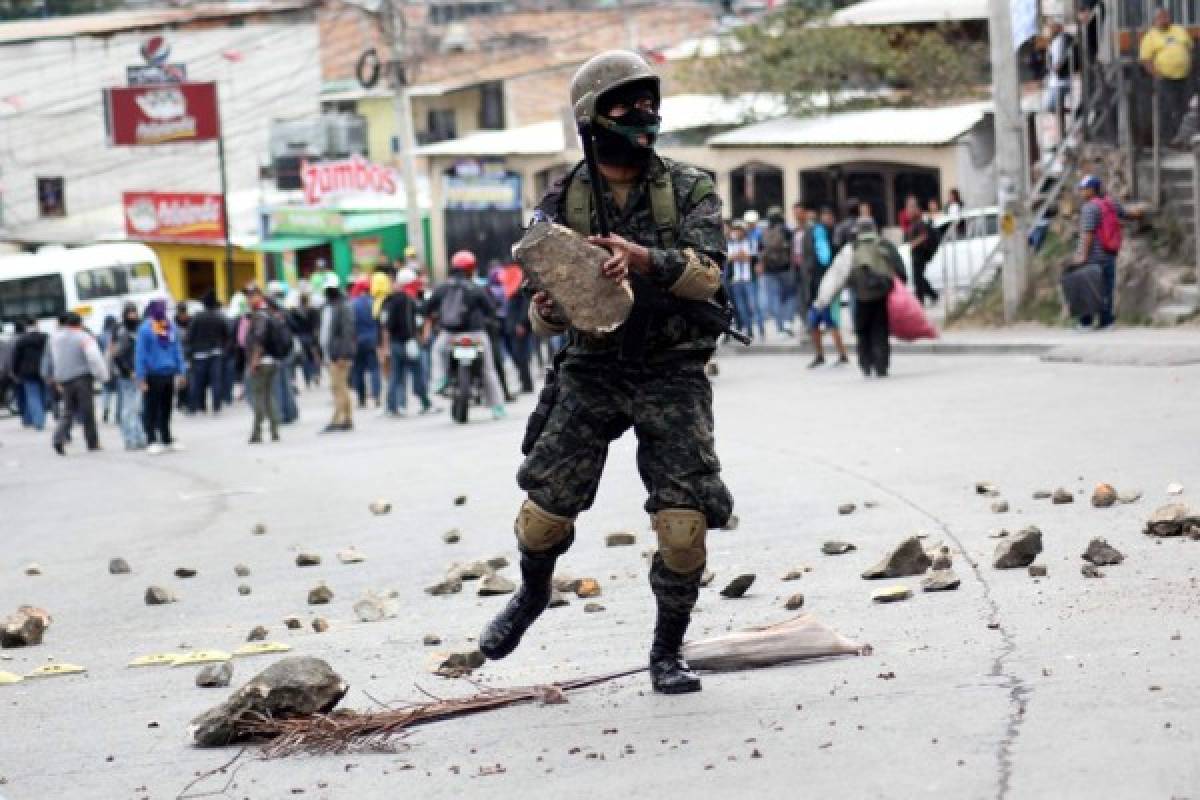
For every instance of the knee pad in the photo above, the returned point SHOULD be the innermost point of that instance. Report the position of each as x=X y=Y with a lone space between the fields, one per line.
x=681 y=533
x=538 y=530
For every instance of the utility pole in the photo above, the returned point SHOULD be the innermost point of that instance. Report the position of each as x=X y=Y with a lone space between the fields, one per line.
x=1011 y=181
x=402 y=105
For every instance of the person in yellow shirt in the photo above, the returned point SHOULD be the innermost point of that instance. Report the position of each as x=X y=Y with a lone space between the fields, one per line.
x=1166 y=54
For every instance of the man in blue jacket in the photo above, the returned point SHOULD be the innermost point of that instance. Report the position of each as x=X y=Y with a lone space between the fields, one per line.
x=158 y=363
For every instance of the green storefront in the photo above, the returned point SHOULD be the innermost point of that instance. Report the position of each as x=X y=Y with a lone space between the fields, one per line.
x=301 y=238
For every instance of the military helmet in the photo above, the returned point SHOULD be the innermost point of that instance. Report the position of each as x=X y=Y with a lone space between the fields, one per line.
x=602 y=73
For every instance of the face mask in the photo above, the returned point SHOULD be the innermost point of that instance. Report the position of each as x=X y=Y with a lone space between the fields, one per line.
x=131 y=323
x=617 y=140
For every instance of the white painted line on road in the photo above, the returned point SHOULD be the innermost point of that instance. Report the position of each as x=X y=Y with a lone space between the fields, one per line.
x=220 y=493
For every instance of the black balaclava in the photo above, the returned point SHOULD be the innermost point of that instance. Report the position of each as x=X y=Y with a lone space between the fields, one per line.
x=617 y=137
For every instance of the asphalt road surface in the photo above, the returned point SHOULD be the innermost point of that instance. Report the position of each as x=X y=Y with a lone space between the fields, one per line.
x=1010 y=687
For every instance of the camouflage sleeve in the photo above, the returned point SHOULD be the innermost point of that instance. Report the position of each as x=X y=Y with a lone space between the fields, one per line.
x=549 y=209
x=692 y=269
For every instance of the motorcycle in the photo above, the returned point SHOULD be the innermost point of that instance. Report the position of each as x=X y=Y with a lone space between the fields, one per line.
x=465 y=386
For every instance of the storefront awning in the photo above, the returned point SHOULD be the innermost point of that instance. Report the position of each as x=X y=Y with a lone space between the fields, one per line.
x=283 y=244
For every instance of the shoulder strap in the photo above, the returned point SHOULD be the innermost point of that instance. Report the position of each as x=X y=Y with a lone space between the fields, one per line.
x=662 y=204
x=578 y=203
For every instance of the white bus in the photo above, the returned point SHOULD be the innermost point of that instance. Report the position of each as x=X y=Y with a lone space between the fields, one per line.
x=93 y=281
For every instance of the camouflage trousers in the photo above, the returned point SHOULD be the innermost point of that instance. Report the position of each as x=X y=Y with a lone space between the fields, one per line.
x=669 y=408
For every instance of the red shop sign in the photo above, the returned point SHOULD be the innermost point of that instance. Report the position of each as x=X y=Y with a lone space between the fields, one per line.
x=146 y=115
x=173 y=216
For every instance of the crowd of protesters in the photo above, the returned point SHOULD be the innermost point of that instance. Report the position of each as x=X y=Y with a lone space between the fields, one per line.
x=374 y=334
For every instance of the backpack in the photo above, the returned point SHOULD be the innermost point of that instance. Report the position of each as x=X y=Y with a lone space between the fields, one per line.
x=453 y=312
x=1108 y=232
x=123 y=352
x=278 y=341
x=872 y=276
x=777 y=256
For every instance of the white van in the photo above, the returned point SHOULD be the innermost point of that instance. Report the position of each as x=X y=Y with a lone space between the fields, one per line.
x=93 y=281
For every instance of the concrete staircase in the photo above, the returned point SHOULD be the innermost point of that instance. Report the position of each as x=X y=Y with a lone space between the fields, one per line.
x=1181 y=300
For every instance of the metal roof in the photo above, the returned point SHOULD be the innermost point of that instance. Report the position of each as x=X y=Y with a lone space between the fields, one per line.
x=874 y=128
x=907 y=12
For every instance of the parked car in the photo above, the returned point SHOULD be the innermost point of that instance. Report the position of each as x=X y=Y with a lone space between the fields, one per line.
x=967 y=244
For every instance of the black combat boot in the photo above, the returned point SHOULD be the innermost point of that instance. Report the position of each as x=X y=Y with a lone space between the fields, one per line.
x=676 y=597
x=504 y=632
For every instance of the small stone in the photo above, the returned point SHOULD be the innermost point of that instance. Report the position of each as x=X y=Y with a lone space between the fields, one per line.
x=870 y=504
x=794 y=574
x=1090 y=571
x=350 y=555
x=987 y=489
x=1127 y=496
x=497 y=562
x=620 y=539
x=795 y=602
x=1000 y=507
x=259 y=529
x=940 y=580
x=1102 y=554
x=257 y=634
x=185 y=572
x=471 y=571
x=1043 y=494
x=25 y=628
x=908 y=558
x=558 y=599
x=738 y=586
x=461 y=500
x=1062 y=497
x=293 y=623
x=834 y=548
x=371 y=608
x=452 y=536
x=732 y=523
x=455 y=665
x=564 y=583
x=306 y=559
x=847 y=508
x=244 y=589
x=319 y=595
x=706 y=578
x=1037 y=570
x=119 y=566
x=494 y=584
x=157 y=596
x=380 y=507
x=592 y=608
x=320 y=624
x=891 y=594
x=941 y=559
x=1020 y=550
x=449 y=585
x=215 y=676
x=1171 y=520
x=241 y=570
x=33 y=569
x=1104 y=496
x=587 y=587
x=998 y=533
x=1174 y=489
x=431 y=640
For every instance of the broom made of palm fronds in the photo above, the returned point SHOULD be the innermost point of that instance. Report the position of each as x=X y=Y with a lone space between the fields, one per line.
x=801 y=638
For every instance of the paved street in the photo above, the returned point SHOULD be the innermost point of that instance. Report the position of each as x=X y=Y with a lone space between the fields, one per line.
x=1010 y=687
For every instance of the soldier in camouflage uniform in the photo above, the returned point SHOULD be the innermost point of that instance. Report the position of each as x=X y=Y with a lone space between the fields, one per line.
x=649 y=375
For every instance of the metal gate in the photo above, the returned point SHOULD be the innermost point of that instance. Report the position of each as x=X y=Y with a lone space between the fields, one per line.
x=490 y=234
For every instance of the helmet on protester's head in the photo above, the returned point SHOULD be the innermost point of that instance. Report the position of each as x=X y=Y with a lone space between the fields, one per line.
x=618 y=79
x=463 y=261
x=604 y=74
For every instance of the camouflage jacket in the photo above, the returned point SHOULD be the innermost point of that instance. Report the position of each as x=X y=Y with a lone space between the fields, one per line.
x=699 y=246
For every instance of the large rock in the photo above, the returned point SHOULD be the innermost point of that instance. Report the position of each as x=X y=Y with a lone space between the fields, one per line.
x=909 y=558
x=738 y=586
x=1171 y=520
x=25 y=628
x=293 y=687
x=1102 y=554
x=568 y=267
x=1020 y=550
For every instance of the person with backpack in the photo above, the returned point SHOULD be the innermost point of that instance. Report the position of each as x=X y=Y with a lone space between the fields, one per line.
x=462 y=307
x=366 y=336
x=818 y=257
x=1100 y=239
x=27 y=369
x=775 y=270
x=401 y=341
x=264 y=341
x=284 y=340
x=923 y=241
x=868 y=266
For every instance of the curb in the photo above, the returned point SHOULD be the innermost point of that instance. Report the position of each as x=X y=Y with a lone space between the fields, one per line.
x=935 y=348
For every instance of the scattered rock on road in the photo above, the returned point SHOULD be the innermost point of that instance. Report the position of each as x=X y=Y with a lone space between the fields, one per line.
x=620 y=539
x=118 y=566
x=847 y=508
x=25 y=628
x=593 y=608
x=1000 y=507
x=795 y=602
x=834 y=548
x=370 y=608
x=33 y=569
x=259 y=529
x=431 y=640
x=497 y=562
x=1104 y=495
x=891 y=594
x=1020 y=550
x=1102 y=554
x=461 y=500
x=351 y=555
x=1091 y=571
x=738 y=586
x=940 y=580
x=294 y=686
x=451 y=584
x=987 y=489
x=1170 y=520
x=565 y=583
x=1127 y=496
x=470 y=571
x=380 y=507
x=587 y=587
x=732 y=523
x=909 y=558
x=257 y=634
x=244 y=589
x=941 y=559
x=1062 y=497
x=1174 y=489
x=457 y=664
x=293 y=623
x=158 y=596
x=185 y=572
x=452 y=536
x=215 y=676
x=794 y=574
x=241 y=570
x=495 y=584
x=319 y=595
x=706 y=578
x=320 y=624
x=1043 y=494
x=998 y=533
x=307 y=559
x=557 y=599
x=1037 y=570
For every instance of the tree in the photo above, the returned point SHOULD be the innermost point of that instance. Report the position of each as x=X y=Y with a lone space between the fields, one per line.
x=814 y=66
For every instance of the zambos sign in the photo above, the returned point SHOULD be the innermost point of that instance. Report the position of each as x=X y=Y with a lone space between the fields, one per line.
x=354 y=175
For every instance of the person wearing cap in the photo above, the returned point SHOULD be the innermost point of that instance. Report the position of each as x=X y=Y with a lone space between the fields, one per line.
x=401 y=342
x=74 y=363
x=364 y=375
x=1100 y=214
x=777 y=277
x=740 y=262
